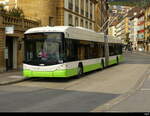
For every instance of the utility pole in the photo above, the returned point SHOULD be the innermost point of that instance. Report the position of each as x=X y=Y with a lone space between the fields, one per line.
x=106 y=23
x=106 y=50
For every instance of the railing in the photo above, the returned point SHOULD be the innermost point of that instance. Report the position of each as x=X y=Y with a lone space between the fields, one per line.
x=23 y=23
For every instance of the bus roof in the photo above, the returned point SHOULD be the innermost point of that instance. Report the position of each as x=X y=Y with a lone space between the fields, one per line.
x=71 y=32
x=79 y=33
x=112 y=39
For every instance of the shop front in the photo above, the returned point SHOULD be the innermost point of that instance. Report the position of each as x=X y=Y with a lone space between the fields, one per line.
x=11 y=42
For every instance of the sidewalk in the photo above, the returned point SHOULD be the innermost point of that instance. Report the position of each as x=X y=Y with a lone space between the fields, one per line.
x=142 y=52
x=11 y=77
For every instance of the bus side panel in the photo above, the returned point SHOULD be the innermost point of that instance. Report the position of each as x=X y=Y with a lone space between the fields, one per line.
x=71 y=70
x=121 y=58
x=60 y=73
x=112 y=60
x=92 y=64
x=65 y=73
x=92 y=67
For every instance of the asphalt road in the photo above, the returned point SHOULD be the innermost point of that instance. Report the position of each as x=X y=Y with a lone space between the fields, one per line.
x=139 y=101
x=86 y=94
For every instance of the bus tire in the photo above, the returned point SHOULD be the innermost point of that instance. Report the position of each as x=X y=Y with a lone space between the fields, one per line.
x=102 y=63
x=117 y=59
x=80 y=70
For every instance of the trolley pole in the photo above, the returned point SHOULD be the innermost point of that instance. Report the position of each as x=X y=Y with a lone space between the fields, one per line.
x=104 y=29
x=106 y=50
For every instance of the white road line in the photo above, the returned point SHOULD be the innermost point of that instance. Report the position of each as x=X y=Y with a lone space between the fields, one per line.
x=145 y=89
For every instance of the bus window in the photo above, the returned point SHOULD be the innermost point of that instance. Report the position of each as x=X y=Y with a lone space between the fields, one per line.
x=71 y=50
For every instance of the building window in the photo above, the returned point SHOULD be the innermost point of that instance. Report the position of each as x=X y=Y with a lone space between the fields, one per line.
x=70 y=20
x=90 y=25
x=86 y=24
x=70 y=4
x=82 y=7
x=51 y=21
x=81 y=23
x=77 y=5
x=76 y=21
x=87 y=8
x=91 y=9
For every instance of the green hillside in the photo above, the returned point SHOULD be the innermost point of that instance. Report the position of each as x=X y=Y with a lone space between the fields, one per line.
x=137 y=3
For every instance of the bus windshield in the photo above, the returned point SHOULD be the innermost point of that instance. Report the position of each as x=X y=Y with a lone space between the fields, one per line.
x=43 y=48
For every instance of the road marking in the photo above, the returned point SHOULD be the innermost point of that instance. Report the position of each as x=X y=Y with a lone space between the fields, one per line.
x=145 y=89
x=15 y=76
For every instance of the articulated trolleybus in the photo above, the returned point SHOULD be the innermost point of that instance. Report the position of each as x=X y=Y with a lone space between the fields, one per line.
x=64 y=51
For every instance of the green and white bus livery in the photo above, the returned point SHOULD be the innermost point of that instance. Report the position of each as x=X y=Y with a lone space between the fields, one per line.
x=64 y=51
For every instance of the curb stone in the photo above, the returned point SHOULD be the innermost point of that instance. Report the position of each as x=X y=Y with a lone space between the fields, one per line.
x=12 y=82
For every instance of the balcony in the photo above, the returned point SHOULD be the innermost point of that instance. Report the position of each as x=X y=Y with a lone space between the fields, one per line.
x=140 y=40
x=141 y=31
x=141 y=23
x=19 y=23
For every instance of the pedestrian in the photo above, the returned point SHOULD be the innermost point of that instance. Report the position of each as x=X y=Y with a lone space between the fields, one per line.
x=130 y=49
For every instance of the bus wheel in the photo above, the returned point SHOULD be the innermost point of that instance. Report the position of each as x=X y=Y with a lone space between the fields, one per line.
x=117 y=59
x=102 y=63
x=80 y=71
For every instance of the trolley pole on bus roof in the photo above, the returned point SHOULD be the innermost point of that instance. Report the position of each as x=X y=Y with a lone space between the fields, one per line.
x=107 y=23
x=106 y=40
x=106 y=51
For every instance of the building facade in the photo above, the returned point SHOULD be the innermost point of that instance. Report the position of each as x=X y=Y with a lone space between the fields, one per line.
x=11 y=41
x=141 y=31
x=147 y=28
x=101 y=16
x=90 y=14
x=112 y=31
x=122 y=28
x=134 y=30
x=82 y=13
x=9 y=4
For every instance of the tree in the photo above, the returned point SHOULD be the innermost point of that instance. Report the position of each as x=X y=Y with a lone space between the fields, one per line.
x=16 y=12
x=136 y=3
x=2 y=10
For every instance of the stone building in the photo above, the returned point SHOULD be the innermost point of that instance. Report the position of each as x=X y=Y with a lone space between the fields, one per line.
x=122 y=28
x=147 y=28
x=101 y=15
x=90 y=14
x=11 y=41
x=141 y=31
x=136 y=28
